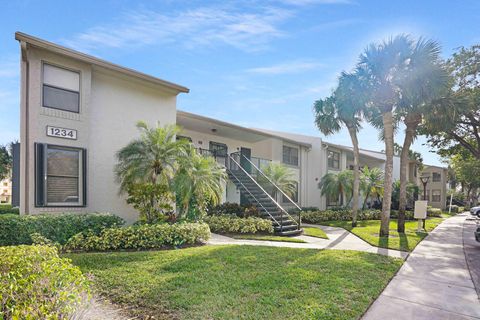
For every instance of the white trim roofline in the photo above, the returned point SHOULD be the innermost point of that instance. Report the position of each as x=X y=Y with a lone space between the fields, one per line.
x=40 y=43
x=235 y=126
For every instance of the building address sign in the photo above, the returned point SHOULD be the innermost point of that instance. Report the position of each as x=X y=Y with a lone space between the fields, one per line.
x=61 y=133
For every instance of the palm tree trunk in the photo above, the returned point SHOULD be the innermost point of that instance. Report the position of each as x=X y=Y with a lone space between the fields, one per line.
x=356 y=174
x=387 y=118
x=365 y=200
x=411 y=121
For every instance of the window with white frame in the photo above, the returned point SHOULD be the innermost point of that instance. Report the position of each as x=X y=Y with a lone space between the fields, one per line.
x=60 y=176
x=290 y=155
x=436 y=196
x=333 y=160
x=61 y=88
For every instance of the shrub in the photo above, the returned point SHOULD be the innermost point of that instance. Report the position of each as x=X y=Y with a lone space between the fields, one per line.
x=434 y=212
x=232 y=224
x=59 y=228
x=461 y=209
x=346 y=215
x=147 y=236
x=7 y=209
x=153 y=201
x=233 y=209
x=35 y=283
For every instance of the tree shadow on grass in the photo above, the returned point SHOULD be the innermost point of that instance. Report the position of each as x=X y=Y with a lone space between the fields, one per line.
x=404 y=242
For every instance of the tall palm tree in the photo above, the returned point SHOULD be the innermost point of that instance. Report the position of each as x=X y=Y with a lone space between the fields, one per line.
x=198 y=182
x=282 y=176
x=152 y=158
x=371 y=183
x=381 y=69
x=344 y=108
x=424 y=82
x=337 y=185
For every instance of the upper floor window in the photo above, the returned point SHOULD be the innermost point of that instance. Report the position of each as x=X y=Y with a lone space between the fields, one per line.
x=61 y=88
x=218 y=149
x=290 y=155
x=436 y=177
x=333 y=160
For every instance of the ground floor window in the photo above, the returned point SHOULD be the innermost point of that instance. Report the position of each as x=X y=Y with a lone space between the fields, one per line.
x=294 y=196
x=426 y=196
x=60 y=176
x=333 y=201
x=436 y=196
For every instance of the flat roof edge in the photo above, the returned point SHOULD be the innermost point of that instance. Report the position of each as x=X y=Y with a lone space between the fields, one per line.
x=37 y=42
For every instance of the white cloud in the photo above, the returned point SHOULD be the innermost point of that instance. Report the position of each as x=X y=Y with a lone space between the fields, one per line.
x=287 y=68
x=249 y=31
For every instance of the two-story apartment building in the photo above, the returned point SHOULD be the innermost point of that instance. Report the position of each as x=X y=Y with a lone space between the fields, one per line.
x=436 y=187
x=77 y=111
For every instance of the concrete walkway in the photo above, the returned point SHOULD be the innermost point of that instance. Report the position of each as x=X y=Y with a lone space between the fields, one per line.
x=338 y=239
x=434 y=282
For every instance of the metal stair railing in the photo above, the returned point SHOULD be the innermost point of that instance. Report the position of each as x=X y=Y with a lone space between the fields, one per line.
x=283 y=211
x=277 y=188
x=255 y=198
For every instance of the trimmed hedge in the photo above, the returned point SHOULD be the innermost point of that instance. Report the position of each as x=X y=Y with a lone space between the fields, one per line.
x=235 y=209
x=35 y=283
x=434 y=212
x=346 y=215
x=59 y=228
x=7 y=209
x=232 y=224
x=147 y=236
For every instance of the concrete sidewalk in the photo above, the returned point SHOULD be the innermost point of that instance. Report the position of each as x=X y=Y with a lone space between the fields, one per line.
x=434 y=282
x=338 y=239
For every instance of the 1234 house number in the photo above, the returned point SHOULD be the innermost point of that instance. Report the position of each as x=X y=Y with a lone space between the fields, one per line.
x=61 y=133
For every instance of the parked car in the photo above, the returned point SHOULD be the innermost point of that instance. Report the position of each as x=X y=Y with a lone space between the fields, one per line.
x=475 y=211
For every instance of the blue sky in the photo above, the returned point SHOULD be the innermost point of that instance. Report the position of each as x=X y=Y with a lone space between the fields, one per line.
x=255 y=63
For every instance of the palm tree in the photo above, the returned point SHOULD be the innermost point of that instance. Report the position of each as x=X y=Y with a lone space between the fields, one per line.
x=343 y=108
x=425 y=81
x=372 y=183
x=152 y=158
x=381 y=70
x=337 y=185
x=198 y=182
x=282 y=176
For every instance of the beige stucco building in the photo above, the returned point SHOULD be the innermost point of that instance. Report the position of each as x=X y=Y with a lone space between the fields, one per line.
x=6 y=191
x=77 y=111
x=436 y=190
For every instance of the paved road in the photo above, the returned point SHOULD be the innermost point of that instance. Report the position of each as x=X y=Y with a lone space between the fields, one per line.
x=338 y=239
x=434 y=282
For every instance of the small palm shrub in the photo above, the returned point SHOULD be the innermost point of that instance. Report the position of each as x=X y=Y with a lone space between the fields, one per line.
x=140 y=237
x=232 y=224
x=15 y=229
x=35 y=283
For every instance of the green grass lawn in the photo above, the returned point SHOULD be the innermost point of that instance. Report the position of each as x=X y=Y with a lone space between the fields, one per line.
x=240 y=282
x=368 y=231
x=265 y=237
x=314 y=232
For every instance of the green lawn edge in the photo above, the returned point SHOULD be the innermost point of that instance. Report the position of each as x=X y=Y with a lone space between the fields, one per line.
x=314 y=232
x=263 y=237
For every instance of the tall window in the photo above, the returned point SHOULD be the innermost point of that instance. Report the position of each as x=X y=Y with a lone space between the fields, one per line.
x=436 y=177
x=61 y=88
x=333 y=201
x=333 y=160
x=294 y=197
x=290 y=155
x=436 y=196
x=60 y=176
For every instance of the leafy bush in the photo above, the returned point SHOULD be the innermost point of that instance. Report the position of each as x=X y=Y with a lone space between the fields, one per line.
x=153 y=201
x=346 y=215
x=35 y=283
x=59 y=228
x=434 y=212
x=235 y=209
x=7 y=209
x=232 y=224
x=461 y=209
x=147 y=236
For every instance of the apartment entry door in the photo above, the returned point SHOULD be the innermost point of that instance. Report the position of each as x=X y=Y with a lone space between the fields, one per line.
x=245 y=153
